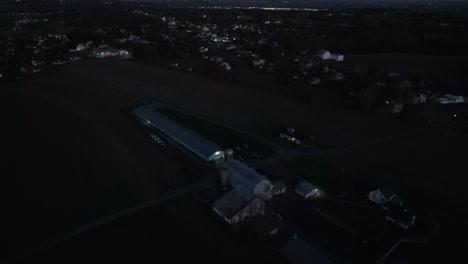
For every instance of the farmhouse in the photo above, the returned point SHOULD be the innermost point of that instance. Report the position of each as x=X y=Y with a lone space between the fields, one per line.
x=199 y=145
x=382 y=195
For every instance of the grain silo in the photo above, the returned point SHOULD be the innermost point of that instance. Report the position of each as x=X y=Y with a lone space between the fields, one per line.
x=228 y=154
x=224 y=177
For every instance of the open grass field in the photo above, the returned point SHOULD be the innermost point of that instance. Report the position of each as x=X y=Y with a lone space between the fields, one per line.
x=180 y=230
x=57 y=172
x=240 y=107
x=74 y=154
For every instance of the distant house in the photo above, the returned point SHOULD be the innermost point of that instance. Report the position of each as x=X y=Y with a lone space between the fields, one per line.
x=237 y=205
x=324 y=54
x=455 y=98
x=420 y=99
x=220 y=39
x=396 y=211
x=402 y=216
x=297 y=251
x=293 y=136
x=443 y=100
x=315 y=81
x=337 y=57
x=81 y=47
x=259 y=62
x=306 y=189
x=393 y=74
x=382 y=195
x=111 y=52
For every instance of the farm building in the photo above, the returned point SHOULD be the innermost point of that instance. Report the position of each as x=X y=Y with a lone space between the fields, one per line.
x=442 y=100
x=324 y=54
x=246 y=198
x=306 y=189
x=199 y=145
x=237 y=205
x=337 y=57
x=455 y=98
x=382 y=195
x=241 y=174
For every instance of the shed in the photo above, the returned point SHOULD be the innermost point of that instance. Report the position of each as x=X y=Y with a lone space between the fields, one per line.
x=455 y=98
x=324 y=54
x=382 y=195
x=306 y=189
x=337 y=57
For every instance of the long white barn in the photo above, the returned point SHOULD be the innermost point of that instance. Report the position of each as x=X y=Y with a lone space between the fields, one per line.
x=191 y=140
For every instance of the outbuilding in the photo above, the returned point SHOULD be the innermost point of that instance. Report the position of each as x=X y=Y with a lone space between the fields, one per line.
x=337 y=57
x=306 y=189
x=324 y=54
x=382 y=195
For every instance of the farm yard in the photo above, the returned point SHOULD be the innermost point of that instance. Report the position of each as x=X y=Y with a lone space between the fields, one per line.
x=99 y=95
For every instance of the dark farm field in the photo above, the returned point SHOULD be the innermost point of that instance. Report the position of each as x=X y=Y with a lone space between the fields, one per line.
x=56 y=172
x=73 y=154
x=175 y=231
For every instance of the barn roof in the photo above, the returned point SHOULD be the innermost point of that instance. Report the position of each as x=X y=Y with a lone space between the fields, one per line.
x=193 y=141
x=305 y=187
x=233 y=202
x=241 y=174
